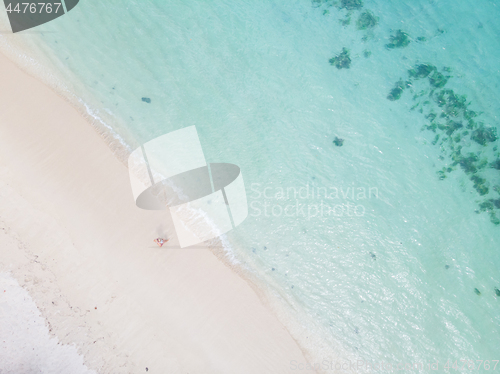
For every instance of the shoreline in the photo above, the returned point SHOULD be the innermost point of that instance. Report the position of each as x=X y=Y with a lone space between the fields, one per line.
x=43 y=70
x=87 y=261
x=312 y=346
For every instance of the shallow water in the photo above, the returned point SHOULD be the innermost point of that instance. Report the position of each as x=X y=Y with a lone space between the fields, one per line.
x=387 y=273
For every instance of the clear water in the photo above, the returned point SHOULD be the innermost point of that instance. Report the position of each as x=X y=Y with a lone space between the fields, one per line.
x=393 y=278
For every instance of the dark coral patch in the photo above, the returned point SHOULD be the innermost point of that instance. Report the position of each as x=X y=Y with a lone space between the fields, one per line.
x=438 y=80
x=421 y=71
x=397 y=91
x=467 y=164
x=398 y=40
x=351 y=4
x=484 y=135
x=338 y=142
x=453 y=105
x=450 y=127
x=367 y=20
x=489 y=205
x=341 y=61
x=456 y=127
x=495 y=164
x=480 y=184
x=494 y=219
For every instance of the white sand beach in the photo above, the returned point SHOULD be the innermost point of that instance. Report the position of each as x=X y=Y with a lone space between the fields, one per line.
x=72 y=237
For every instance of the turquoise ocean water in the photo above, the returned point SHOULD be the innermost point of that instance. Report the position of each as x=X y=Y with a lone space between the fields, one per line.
x=369 y=250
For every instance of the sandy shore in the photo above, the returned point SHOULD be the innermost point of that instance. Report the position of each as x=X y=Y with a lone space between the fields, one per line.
x=73 y=238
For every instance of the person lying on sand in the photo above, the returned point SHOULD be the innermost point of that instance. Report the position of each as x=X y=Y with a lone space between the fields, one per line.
x=160 y=241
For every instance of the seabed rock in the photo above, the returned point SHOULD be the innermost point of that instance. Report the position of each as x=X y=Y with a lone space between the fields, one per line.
x=338 y=142
x=146 y=100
